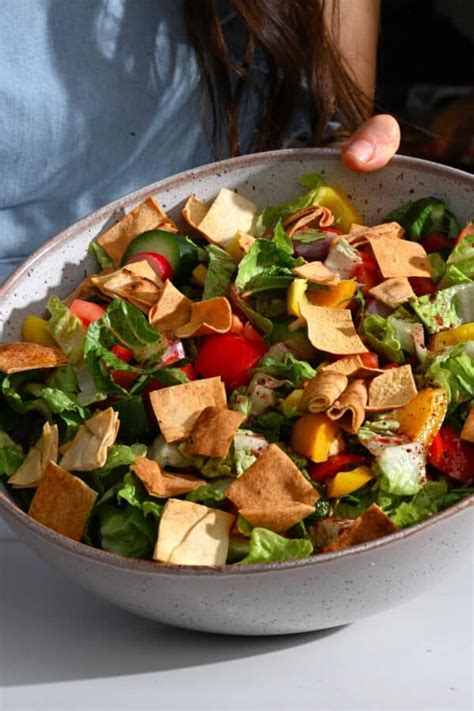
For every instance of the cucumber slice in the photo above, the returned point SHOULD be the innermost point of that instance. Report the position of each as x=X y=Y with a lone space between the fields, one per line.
x=158 y=241
x=188 y=258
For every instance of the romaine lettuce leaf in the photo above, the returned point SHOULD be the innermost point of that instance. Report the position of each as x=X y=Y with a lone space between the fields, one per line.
x=446 y=308
x=220 y=270
x=281 y=239
x=265 y=266
x=272 y=214
x=453 y=370
x=11 y=455
x=211 y=494
x=380 y=334
x=126 y=531
x=66 y=329
x=101 y=256
x=402 y=469
x=120 y=455
x=288 y=369
x=424 y=216
x=462 y=256
x=267 y=547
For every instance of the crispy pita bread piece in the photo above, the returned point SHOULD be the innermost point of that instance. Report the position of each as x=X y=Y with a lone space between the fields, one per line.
x=394 y=388
x=177 y=407
x=317 y=273
x=352 y=365
x=92 y=441
x=310 y=217
x=272 y=492
x=210 y=316
x=214 y=431
x=400 y=257
x=172 y=310
x=326 y=530
x=136 y=283
x=359 y=234
x=62 y=502
x=331 y=330
x=467 y=432
x=192 y=534
x=229 y=213
x=322 y=391
x=149 y=215
x=372 y=524
x=30 y=472
x=18 y=357
x=393 y=292
x=194 y=211
x=349 y=409
x=161 y=483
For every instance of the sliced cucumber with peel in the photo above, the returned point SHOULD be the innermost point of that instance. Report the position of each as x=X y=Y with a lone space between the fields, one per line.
x=158 y=241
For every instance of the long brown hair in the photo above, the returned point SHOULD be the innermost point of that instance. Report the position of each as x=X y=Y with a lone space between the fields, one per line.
x=293 y=37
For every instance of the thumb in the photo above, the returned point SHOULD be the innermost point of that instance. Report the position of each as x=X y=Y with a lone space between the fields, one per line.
x=372 y=145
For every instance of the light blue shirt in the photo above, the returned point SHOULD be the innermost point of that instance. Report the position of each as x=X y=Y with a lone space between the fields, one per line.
x=97 y=98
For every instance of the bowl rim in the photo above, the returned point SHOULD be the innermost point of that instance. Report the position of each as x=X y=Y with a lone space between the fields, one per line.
x=137 y=565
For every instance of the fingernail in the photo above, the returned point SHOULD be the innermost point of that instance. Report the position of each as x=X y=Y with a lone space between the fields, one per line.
x=361 y=150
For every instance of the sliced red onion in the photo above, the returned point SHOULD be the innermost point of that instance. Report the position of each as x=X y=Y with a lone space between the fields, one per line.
x=316 y=251
x=174 y=352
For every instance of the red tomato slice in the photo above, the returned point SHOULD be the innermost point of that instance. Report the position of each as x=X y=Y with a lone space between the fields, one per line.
x=436 y=241
x=451 y=455
x=422 y=285
x=335 y=464
x=124 y=378
x=468 y=230
x=86 y=311
x=229 y=356
x=367 y=273
x=157 y=262
x=370 y=360
x=122 y=352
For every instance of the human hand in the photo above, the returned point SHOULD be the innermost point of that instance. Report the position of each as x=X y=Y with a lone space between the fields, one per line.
x=372 y=145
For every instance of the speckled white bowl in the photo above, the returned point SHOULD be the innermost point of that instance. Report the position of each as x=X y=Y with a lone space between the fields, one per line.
x=280 y=598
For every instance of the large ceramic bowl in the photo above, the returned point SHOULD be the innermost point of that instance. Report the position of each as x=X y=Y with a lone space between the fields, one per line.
x=280 y=598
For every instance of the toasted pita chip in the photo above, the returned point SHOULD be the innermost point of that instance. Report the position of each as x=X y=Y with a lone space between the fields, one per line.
x=359 y=234
x=394 y=388
x=136 y=283
x=161 y=483
x=194 y=211
x=62 y=502
x=18 y=357
x=89 y=448
x=331 y=330
x=149 y=215
x=177 y=407
x=322 y=390
x=313 y=216
x=172 y=310
x=349 y=409
x=317 y=273
x=399 y=257
x=229 y=213
x=214 y=431
x=272 y=492
x=467 y=432
x=352 y=365
x=36 y=462
x=192 y=534
x=326 y=530
x=210 y=316
x=393 y=292
x=372 y=524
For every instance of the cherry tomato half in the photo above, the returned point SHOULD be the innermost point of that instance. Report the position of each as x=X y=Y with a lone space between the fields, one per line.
x=122 y=352
x=86 y=311
x=451 y=455
x=229 y=356
x=157 y=262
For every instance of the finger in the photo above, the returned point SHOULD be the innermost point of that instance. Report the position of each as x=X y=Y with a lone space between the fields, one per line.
x=372 y=145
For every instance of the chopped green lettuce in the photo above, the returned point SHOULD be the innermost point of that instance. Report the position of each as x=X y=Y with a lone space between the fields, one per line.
x=120 y=455
x=212 y=494
x=402 y=469
x=424 y=216
x=220 y=270
x=101 y=256
x=66 y=329
x=266 y=266
x=126 y=531
x=380 y=334
x=272 y=214
x=11 y=455
x=288 y=369
x=267 y=547
x=453 y=370
x=446 y=308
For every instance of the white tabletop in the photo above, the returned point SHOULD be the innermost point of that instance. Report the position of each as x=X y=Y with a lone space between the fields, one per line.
x=63 y=648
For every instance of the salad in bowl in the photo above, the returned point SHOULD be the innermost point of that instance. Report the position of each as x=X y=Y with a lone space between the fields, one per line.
x=250 y=386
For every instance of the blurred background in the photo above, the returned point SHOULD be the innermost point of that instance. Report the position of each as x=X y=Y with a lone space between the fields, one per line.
x=426 y=77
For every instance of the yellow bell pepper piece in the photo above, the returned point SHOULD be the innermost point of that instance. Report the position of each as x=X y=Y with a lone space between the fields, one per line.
x=295 y=293
x=293 y=399
x=35 y=330
x=239 y=246
x=346 y=482
x=315 y=436
x=199 y=274
x=336 y=297
x=421 y=419
x=460 y=334
x=345 y=213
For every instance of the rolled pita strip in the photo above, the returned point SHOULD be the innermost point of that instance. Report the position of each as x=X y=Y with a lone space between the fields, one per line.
x=313 y=216
x=322 y=391
x=349 y=409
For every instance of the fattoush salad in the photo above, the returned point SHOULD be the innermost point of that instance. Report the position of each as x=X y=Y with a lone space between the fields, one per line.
x=249 y=386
